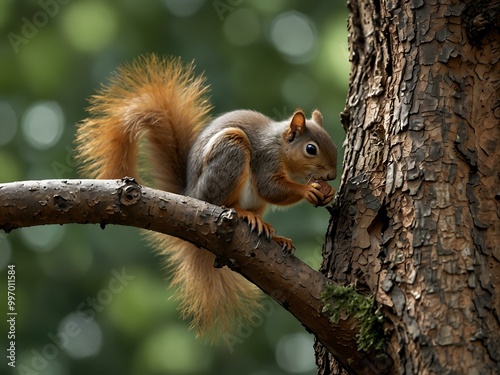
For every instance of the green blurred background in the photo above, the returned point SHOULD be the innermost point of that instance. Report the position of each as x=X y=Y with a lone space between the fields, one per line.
x=96 y=301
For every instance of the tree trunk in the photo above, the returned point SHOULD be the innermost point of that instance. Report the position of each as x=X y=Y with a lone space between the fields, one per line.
x=417 y=218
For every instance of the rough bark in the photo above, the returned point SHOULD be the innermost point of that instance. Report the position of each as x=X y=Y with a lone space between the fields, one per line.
x=417 y=217
x=285 y=278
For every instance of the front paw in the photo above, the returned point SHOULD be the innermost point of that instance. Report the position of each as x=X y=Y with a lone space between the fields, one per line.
x=256 y=224
x=319 y=193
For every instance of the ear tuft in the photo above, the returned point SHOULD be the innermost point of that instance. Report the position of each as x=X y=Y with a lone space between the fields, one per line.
x=297 y=125
x=317 y=117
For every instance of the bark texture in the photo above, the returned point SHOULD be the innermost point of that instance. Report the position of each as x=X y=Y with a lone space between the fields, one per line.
x=417 y=217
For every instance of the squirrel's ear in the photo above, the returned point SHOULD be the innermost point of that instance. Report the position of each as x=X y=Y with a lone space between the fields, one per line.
x=297 y=125
x=317 y=117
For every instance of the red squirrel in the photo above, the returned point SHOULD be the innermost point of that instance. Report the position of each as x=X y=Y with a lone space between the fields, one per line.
x=242 y=159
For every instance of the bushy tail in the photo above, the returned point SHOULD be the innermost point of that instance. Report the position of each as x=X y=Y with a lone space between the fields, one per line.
x=162 y=100
x=218 y=301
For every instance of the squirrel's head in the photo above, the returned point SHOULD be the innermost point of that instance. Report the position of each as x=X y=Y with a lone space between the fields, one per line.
x=310 y=153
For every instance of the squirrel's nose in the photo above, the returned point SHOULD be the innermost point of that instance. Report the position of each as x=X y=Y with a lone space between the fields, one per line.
x=331 y=176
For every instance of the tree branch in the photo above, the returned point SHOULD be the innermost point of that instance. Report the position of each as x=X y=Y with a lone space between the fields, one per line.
x=285 y=278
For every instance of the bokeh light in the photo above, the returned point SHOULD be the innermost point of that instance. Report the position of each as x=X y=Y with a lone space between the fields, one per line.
x=295 y=353
x=294 y=35
x=90 y=26
x=42 y=238
x=43 y=124
x=82 y=335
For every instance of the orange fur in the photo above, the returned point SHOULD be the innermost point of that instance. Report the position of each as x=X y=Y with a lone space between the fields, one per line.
x=163 y=100
x=217 y=300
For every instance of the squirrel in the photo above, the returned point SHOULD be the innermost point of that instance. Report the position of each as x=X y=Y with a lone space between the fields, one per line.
x=242 y=159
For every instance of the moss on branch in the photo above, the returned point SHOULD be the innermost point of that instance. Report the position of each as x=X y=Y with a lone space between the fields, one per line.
x=345 y=300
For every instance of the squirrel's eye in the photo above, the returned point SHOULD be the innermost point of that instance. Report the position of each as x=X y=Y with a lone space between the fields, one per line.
x=311 y=149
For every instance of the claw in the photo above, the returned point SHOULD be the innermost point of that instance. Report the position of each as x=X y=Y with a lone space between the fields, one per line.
x=286 y=244
x=251 y=220
x=260 y=227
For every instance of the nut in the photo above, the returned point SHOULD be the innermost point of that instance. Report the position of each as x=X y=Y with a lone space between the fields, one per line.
x=324 y=187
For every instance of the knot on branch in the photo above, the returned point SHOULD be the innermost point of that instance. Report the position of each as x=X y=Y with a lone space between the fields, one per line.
x=226 y=222
x=130 y=192
x=62 y=203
